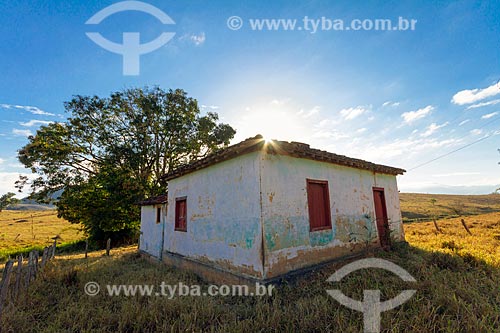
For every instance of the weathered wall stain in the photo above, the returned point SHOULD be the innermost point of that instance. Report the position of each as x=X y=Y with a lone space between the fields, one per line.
x=223 y=209
x=249 y=215
x=288 y=241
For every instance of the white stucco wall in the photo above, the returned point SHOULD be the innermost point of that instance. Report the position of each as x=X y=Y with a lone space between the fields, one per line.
x=223 y=214
x=151 y=232
x=288 y=242
x=249 y=215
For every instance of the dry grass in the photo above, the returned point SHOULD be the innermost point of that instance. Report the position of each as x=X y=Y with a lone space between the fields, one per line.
x=418 y=206
x=483 y=244
x=458 y=290
x=24 y=230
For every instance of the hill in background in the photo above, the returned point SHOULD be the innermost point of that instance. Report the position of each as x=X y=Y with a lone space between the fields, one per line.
x=30 y=204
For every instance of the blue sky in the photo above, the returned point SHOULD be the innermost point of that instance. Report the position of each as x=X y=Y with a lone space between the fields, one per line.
x=395 y=97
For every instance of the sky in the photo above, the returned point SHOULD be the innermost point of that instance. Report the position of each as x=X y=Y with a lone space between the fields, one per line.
x=426 y=100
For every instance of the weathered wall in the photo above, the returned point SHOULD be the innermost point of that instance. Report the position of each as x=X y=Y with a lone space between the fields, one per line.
x=288 y=243
x=223 y=213
x=151 y=232
x=389 y=183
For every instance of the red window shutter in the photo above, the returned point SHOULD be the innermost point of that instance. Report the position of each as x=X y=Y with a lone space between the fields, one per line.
x=319 y=205
x=181 y=214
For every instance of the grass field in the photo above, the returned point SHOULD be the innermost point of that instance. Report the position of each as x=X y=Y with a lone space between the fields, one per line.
x=458 y=290
x=424 y=207
x=483 y=244
x=21 y=231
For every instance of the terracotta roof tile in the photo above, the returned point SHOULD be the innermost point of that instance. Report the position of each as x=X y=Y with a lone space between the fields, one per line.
x=294 y=149
x=158 y=200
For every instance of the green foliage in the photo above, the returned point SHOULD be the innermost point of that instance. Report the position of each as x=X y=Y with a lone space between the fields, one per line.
x=7 y=199
x=112 y=152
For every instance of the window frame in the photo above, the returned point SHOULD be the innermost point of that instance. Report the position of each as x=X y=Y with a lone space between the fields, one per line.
x=177 y=227
x=327 y=210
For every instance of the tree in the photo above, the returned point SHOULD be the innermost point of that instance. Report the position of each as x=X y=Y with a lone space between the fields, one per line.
x=7 y=199
x=112 y=152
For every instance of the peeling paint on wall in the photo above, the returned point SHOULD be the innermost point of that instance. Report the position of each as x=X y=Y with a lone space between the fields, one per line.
x=223 y=208
x=249 y=215
x=286 y=218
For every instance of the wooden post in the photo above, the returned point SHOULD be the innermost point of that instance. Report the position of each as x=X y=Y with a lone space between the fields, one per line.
x=86 y=247
x=54 y=249
x=28 y=270
x=4 y=288
x=18 y=275
x=436 y=226
x=44 y=256
x=465 y=226
x=36 y=256
x=108 y=246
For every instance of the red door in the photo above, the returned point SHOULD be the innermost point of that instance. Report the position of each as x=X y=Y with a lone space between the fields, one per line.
x=381 y=217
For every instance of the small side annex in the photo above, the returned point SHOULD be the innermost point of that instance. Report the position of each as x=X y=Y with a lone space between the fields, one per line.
x=261 y=209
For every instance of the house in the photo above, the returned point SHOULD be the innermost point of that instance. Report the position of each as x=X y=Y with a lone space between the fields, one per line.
x=260 y=209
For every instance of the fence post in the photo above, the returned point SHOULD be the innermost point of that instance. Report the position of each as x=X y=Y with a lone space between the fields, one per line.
x=18 y=275
x=436 y=226
x=28 y=272
x=465 y=226
x=86 y=247
x=4 y=288
x=108 y=246
x=44 y=257
x=53 y=254
x=36 y=256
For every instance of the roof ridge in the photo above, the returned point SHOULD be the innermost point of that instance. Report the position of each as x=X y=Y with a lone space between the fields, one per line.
x=294 y=149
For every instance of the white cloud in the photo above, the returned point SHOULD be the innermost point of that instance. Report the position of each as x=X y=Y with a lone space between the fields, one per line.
x=198 y=39
x=479 y=105
x=453 y=174
x=432 y=128
x=411 y=116
x=390 y=150
x=195 y=39
x=31 y=109
x=489 y=115
x=464 y=122
x=474 y=95
x=327 y=123
x=8 y=179
x=20 y=132
x=280 y=102
x=476 y=131
x=307 y=114
x=361 y=130
x=335 y=135
x=32 y=123
x=211 y=107
x=352 y=113
x=390 y=103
